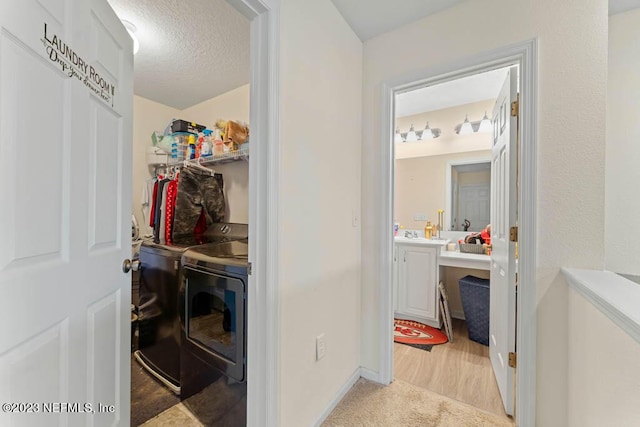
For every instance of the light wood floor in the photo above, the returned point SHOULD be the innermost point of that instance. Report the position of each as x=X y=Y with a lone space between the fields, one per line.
x=460 y=370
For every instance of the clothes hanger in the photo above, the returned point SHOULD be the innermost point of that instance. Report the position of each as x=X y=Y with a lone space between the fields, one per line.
x=197 y=165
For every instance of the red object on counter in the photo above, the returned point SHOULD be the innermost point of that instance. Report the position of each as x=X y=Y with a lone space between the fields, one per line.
x=486 y=236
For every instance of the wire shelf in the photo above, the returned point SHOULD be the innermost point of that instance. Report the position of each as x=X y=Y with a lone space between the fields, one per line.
x=229 y=156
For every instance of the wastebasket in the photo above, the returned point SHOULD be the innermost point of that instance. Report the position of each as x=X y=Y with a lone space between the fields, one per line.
x=474 y=293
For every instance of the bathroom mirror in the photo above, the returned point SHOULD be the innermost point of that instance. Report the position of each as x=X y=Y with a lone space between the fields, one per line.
x=468 y=186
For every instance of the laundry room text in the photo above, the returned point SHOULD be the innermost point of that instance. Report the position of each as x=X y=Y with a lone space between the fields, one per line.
x=73 y=65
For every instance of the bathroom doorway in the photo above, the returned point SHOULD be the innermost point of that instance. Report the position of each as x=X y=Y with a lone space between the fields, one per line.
x=449 y=172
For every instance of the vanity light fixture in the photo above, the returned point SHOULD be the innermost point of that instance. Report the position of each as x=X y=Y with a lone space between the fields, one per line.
x=398 y=137
x=427 y=133
x=466 y=128
x=485 y=124
x=415 y=136
x=131 y=29
x=411 y=135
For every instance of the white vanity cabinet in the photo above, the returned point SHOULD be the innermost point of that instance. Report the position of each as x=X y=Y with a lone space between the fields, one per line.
x=416 y=278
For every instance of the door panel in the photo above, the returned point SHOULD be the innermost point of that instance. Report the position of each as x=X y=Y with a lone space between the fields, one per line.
x=35 y=371
x=27 y=233
x=107 y=51
x=104 y=160
x=103 y=357
x=503 y=216
x=66 y=86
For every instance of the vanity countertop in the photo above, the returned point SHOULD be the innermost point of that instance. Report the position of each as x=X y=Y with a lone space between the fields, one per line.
x=449 y=258
x=464 y=260
x=420 y=241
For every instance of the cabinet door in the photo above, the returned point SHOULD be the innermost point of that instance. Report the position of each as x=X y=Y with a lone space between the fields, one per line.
x=417 y=278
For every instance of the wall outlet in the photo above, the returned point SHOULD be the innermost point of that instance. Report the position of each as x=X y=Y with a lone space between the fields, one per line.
x=419 y=217
x=321 y=347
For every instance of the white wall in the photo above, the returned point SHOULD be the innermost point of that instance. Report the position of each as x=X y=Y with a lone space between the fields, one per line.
x=603 y=369
x=148 y=116
x=572 y=70
x=622 y=212
x=233 y=105
x=320 y=134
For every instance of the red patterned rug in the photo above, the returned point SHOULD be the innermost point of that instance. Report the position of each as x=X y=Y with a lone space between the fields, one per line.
x=416 y=333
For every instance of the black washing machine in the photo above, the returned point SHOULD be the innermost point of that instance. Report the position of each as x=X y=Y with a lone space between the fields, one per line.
x=213 y=302
x=161 y=272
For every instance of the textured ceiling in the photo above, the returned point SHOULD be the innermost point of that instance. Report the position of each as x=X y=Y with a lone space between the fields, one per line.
x=194 y=50
x=190 y=51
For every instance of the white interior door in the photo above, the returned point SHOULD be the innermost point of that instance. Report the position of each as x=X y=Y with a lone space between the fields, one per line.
x=65 y=154
x=474 y=205
x=502 y=325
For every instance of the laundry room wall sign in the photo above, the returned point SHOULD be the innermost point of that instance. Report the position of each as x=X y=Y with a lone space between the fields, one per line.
x=74 y=66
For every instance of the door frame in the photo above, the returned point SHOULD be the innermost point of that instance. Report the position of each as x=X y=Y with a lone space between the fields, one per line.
x=448 y=203
x=525 y=56
x=264 y=177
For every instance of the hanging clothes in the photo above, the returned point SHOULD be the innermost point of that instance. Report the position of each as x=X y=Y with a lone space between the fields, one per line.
x=163 y=214
x=158 y=210
x=172 y=194
x=198 y=193
x=147 y=205
x=154 y=195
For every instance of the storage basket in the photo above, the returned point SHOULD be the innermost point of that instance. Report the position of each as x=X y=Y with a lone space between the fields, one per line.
x=472 y=248
x=474 y=293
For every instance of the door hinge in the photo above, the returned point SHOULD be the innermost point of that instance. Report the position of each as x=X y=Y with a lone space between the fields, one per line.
x=249 y=269
x=513 y=234
x=513 y=359
x=515 y=107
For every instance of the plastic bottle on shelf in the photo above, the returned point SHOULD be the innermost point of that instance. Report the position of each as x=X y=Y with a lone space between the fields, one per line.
x=191 y=148
x=174 y=147
x=199 y=145
x=205 y=150
x=218 y=144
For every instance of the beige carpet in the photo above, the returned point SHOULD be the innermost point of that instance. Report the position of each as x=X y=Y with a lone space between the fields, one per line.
x=403 y=404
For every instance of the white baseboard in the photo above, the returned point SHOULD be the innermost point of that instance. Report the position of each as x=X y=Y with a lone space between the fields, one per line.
x=370 y=375
x=332 y=405
x=457 y=314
